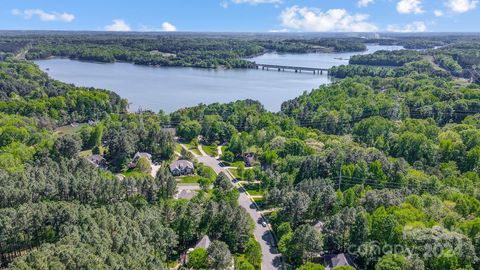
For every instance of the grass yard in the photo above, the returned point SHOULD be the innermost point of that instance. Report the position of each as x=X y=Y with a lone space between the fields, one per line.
x=235 y=173
x=209 y=149
x=260 y=202
x=189 y=179
x=85 y=153
x=193 y=148
x=178 y=148
x=254 y=189
x=254 y=192
x=68 y=130
x=236 y=163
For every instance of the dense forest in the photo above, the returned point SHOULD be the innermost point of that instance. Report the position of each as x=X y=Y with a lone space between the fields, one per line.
x=382 y=165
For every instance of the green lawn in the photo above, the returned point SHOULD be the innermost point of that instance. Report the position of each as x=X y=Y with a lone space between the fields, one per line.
x=178 y=148
x=254 y=192
x=85 y=153
x=236 y=163
x=68 y=129
x=253 y=189
x=209 y=149
x=260 y=202
x=235 y=173
x=192 y=148
x=189 y=179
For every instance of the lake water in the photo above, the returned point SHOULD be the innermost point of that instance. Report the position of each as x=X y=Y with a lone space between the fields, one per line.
x=172 y=88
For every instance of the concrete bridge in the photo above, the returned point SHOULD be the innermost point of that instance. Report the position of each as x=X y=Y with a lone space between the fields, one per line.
x=292 y=68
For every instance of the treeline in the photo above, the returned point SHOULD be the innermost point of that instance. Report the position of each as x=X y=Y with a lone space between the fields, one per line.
x=171 y=50
x=27 y=91
x=447 y=62
x=386 y=58
x=334 y=109
x=409 y=69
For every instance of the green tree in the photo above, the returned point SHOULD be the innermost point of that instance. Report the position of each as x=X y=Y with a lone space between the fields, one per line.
x=189 y=130
x=143 y=165
x=198 y=259
x=392 y=262
x=304 y=245
x=447 y=260
x=66 y=146
x=219 y=255
x=311 y=266
x=166 y=183
x=253 y=253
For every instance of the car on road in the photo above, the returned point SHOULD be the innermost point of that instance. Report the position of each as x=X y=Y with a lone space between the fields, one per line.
x=264 y=224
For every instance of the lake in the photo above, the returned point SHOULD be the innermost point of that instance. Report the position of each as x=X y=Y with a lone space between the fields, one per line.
x=172 y=88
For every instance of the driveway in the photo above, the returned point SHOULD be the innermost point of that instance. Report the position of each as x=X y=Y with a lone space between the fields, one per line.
x=271 y=257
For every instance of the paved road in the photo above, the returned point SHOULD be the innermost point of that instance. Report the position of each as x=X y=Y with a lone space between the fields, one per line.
x=271 y=257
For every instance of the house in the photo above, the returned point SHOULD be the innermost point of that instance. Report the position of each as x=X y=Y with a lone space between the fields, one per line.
x=181 y=167
x=340 y=259
x=249 y=160
x=98 y=161
x=203 y=243
x=318 y=227
x=172 y=131
x=137 y=156
x=185 y=194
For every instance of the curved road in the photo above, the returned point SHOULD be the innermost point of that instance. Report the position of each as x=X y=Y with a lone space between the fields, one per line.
x=271 y=258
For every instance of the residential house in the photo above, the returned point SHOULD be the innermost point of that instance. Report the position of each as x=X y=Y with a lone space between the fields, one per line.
x=340 y=259
x=181 y=167
x=203 y=243
x=185 y=194
x=137 y=156
x=249 y=160
x=98 y=161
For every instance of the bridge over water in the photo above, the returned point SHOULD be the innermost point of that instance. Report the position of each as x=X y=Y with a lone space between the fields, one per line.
x=292 y=68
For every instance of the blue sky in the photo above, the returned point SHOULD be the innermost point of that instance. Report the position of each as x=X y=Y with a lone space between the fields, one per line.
x=243 y=15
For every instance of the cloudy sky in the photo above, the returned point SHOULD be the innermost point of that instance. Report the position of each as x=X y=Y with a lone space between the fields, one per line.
x=243 y=15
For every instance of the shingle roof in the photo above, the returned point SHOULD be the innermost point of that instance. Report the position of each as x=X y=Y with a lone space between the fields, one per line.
x=340 y=259
x=186 y=194
x=95 y=159
x=204 y=242
x=142 y=154
x=181 y=164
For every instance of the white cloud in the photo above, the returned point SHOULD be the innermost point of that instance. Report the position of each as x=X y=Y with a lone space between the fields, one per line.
x=284 y=30
x=224 y=4
x=365 y=3
x=118 y=25
x=410 y=6
x=438 y=13
x=315 y=20
x=256 y=2
x=461 y=6
x=43 y=16
x=408 y=28
x=168 y=27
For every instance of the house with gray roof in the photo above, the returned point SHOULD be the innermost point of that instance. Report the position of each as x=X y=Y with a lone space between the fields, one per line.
x=181 y=167
x=98 y=161
x=204 y=242
x=137 y=156
x=340 y=259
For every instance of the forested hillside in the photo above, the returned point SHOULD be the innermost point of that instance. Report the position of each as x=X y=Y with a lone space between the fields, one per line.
x=57 y=211
x=382 y=165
